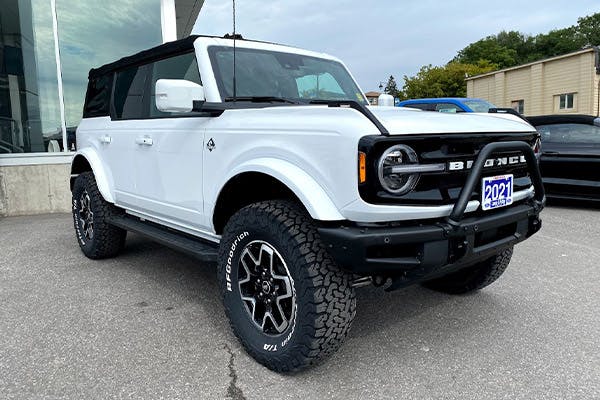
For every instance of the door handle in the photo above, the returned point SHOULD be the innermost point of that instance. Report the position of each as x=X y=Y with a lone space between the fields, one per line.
x=105 y=139
x=144 y=141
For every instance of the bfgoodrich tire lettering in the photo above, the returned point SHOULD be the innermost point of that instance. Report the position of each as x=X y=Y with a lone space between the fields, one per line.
x=323 y=305
x=475 y=277
x=97 y=238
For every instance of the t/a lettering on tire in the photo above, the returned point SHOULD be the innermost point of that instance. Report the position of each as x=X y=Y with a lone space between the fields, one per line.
x=97 y=238
x=288 y=303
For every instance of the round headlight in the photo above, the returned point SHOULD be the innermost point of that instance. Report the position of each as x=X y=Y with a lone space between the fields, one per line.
x=397 y=180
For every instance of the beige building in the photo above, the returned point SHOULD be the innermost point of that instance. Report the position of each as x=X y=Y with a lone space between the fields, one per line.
x=373 y=98
x=567 y=84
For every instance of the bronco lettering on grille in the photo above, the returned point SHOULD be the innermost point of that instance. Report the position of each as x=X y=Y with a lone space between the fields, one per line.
x=491 y=162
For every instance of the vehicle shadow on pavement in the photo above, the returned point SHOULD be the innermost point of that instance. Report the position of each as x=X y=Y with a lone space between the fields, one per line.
x=191 y=280
x=412 y=317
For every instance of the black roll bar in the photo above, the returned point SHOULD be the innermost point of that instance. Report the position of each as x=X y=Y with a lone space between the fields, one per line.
x=477 y=170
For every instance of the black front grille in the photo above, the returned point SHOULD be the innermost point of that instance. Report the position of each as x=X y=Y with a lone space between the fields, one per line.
x=442 y=187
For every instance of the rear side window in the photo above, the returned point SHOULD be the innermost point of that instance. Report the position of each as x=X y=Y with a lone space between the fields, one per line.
x=479 y=106
x=97 y=99
x=183 y=66
x=128 y=97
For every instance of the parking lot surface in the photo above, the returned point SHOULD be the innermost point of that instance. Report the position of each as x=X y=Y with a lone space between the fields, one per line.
x=149 y=324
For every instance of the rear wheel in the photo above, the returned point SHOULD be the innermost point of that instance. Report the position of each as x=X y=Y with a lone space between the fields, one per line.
x=287 y=301
x=473 y=278
x=97 y=238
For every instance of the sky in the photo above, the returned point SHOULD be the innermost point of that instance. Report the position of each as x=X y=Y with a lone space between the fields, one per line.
x=380 y=38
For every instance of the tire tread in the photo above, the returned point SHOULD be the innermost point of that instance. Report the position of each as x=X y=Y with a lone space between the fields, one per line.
x=332 y=304
x=108 y=240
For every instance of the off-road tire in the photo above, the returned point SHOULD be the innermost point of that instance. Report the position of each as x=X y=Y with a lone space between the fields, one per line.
x=473 y=278
x=107 y=240
x=325 y=299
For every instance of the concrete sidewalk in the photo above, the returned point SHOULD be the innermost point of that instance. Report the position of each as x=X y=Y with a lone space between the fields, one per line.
x=149 y=324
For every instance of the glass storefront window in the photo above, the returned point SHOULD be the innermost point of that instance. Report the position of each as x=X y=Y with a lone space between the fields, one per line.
x=90 y=34
x=95 y=33
x=29 y=115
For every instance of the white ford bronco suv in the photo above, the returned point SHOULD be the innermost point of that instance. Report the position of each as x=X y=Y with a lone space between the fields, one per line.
x=268 y=160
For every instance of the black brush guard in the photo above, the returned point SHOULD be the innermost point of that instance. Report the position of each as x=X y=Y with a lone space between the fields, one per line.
x=410 y=254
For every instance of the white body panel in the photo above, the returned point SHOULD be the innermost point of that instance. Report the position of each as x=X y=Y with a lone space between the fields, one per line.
x=162 y=169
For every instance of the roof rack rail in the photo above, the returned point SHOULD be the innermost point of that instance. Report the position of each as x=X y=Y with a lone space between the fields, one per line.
x=236 y=36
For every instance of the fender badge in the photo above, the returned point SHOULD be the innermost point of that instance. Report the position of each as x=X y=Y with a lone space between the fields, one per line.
x=211 y=145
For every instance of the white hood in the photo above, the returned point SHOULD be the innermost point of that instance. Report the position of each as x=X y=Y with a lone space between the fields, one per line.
x=401 y=121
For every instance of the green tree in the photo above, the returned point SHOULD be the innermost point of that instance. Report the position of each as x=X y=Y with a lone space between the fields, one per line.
x=557 y=42
x=589 y=28
x=510 y=48
x=490 y=50
x=391 y=87
x=446 y=81
x=503 y=50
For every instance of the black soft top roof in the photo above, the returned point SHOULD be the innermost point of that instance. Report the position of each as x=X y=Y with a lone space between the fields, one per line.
x=562 y=119
x=164 y=50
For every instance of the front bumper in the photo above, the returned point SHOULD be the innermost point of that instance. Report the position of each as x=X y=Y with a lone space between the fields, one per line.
x=417 y=252
x=422 y=251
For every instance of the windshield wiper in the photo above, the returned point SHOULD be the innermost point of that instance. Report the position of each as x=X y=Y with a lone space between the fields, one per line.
x=262 y=99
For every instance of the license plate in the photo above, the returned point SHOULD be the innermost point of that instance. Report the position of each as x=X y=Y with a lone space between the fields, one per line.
x=497 y=191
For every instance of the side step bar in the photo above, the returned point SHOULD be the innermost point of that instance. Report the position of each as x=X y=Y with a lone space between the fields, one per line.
x=198 y=248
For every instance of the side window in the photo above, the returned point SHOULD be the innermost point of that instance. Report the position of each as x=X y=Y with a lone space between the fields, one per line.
x=447 y=108
x=421 y=106
x=322 y=86
x=129 y=93
x=97 y=101
x=570 y=133
x=183 y=66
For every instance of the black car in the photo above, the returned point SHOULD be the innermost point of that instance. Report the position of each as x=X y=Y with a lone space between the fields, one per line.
x=570 y=160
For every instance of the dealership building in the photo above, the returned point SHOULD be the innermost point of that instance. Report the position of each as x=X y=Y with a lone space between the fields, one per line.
x=47 y=48
x=565 y=84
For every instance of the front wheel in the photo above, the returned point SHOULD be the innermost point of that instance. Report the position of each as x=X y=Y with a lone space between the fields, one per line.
x=474 y=277
x=288 y=303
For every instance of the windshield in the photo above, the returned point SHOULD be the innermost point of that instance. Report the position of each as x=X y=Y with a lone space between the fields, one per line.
x=570 y=133
x=263 y=73
x=480 y=106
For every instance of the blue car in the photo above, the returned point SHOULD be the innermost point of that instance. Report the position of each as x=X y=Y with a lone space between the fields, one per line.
x=449 y=104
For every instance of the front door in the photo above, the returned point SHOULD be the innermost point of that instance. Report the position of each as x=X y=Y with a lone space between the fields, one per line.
x=168 y=154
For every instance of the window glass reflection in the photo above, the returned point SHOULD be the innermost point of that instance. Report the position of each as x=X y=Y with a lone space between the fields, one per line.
x=29 y=116
x=95 y=33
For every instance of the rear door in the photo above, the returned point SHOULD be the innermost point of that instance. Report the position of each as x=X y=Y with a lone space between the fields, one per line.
x=119 y=141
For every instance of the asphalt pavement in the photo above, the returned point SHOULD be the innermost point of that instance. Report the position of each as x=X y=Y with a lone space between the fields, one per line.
x=149 y=325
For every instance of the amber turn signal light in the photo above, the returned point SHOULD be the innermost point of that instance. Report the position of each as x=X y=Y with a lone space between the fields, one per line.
x=362 y=167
